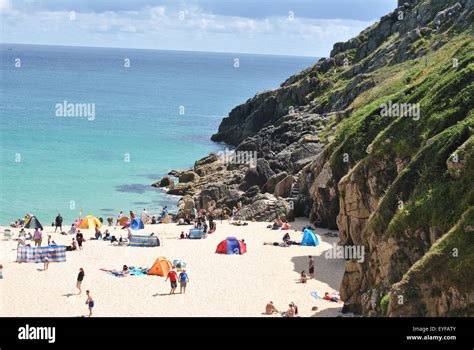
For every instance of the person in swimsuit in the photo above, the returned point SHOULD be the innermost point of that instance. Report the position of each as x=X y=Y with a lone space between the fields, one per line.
x=89 y=302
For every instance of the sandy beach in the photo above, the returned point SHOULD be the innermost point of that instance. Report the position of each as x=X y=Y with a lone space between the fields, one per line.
x=220 y=285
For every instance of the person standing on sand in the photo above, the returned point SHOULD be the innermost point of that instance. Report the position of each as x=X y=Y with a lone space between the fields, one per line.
x=89 y=302
x=79 y=239
x=80 y=278
x=1 y=271
x=120 y=215
x=311 y=267
x=173 y=277
x=58 y=222
x=183 y=281
x=144 y=216
x=37 y=237
x=46 y=263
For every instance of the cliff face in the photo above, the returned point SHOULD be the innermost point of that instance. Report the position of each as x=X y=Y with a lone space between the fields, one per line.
x=376 y=140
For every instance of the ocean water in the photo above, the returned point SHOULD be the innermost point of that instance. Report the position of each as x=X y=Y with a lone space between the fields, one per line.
x=156 y=115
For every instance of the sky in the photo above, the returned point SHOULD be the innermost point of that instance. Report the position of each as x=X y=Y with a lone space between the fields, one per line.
x=280 y=27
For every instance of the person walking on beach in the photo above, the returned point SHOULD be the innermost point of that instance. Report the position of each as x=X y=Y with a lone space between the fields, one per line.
x=311 y=267
x=89 y=302
x=173 y=277
x=183 y=281
x=46 y=263
x=58 y=222
x=80 y=278
x=37 y=237
x=144 y=216
x=120 y=215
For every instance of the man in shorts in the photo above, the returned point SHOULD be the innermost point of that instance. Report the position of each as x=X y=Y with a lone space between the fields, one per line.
x=183 y=281
x=173 y=277
x=89 y=302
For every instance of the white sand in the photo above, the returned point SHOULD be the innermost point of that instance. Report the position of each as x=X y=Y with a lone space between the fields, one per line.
x=220 y=285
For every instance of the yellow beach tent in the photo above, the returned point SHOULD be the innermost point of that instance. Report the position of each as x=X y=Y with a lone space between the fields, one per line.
x=90 y=221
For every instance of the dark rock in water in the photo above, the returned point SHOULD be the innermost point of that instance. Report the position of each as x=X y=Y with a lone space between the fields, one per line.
x=188 y=176
x=166 y=181
x=211 y=158
x=175 y=173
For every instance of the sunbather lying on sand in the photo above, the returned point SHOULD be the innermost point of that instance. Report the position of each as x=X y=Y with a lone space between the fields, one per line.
x=330 y=298
x=277 y=244
x=239 y=223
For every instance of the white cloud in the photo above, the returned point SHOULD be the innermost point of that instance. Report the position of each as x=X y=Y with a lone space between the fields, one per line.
x=5 y=5
x=161 y=27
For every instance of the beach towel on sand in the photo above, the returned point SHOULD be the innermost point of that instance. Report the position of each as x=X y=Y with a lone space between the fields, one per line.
x=131 y=272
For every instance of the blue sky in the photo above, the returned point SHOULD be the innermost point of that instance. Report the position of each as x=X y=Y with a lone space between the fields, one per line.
x=286 y=27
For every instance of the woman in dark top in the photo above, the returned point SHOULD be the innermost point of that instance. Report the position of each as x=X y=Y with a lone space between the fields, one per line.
x=80 y=278
x=79 y=239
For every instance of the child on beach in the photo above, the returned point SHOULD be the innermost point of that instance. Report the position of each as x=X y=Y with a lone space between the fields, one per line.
x=46 y=263
x=89 y=302
x=80 y=278
x=1 y=271
x=173 y=277
x=303 y=277
x=330 y=298
x=183 y=281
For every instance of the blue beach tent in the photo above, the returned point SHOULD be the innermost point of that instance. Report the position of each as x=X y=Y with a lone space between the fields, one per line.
x=137 y=224
x=309 y=238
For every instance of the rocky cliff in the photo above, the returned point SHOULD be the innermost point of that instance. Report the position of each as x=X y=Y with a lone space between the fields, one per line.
x=375 y=140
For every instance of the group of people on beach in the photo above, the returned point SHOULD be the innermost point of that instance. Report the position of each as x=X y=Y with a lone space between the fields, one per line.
x=183 y=279
x=198 y=219
x=292 y=311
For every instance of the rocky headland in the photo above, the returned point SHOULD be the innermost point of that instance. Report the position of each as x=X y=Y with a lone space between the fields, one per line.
x=376 y=141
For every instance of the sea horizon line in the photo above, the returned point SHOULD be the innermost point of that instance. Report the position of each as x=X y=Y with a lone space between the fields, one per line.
x=165 y=50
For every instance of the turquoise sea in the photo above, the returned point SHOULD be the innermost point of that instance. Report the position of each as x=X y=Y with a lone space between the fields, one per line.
x=156 y=115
